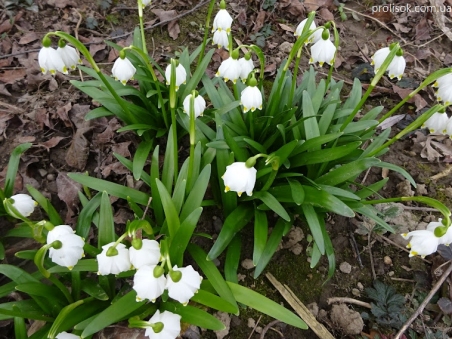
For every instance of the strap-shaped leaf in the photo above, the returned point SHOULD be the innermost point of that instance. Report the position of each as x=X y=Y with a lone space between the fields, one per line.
x=106 y=224
x=314 y=225
x=232 y=261
x=86 y=216
x=139 y=159
x=327 y=201
x=213 y=301
x=28 y=309
x=273 y=204
x=347 y=171
x=260 y=234
x=13 y=165
x=196 y=196
x=172 y=219
x=46 y=205
x=263 y=304
x=324 y=155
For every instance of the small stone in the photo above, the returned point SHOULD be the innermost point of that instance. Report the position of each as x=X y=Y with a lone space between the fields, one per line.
x=226 y=320
x=448 y=192
x=313 y=308
x=217 y=224
x=356 y=292
x=391 y=273
x=251 y=323
x=191 y=333
x=348 y=320
x=296 y=249
x=42 y=172
x=404 y=189
x=360 y=286
x=258 y=329
x=247 y=264
x=216 y=262
x=421 y=190
x=50 y=177
x=345 y=267
x=286 y=47
x=241 y=277
x=387 y=260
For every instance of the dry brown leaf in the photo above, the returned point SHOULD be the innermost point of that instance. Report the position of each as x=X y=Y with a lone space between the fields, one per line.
x=77 y=115
x=4 y=91
x=62 y=113
x=287 y=28
x=42 y=118
x=418 y=100
x=24 y=139
x=122 y=148
x=11 y=76
x=77 y=154
x=173 y=26
x=28 y=37
x=260 y=20
x=108 y=134
x=401 y=28
x=326 y=15
x=61 y=3
x=173 y=29
x=68 y=192
x=51 y=143
x=422 y=30
x=116 y=168
x=313 y=5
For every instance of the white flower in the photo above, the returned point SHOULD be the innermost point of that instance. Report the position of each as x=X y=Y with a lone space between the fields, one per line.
x=395 y=68
x=69 y=56
x=220 y=38
x=239 y=178
x=323 y=51
x=24 y=204
x=444 y=92
x=246 y=67
x=171 y=325
x=250 y=99
x=186 y=287
x=65 y=335
x=71 y=250
x=181 y=75
x=145 y=2
x=222 y=21
x=147 y=285
x=200 y=105
x=449 y=128
x=437 y=123
x=423 y=242
x=148 y=254
x=314 y=37
x=116 y=263
x=50 y=61
x=229 y=70
x=123 y=70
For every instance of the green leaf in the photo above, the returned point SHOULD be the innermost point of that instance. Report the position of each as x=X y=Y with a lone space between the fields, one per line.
x=311 y=126
x=347 y=171
x=314 y=225
x=213 y=301
x=315 y=143
x=297 y=191
x=28 y=309
x=156 y=200
x=65 y=312
x=371 y=189
x=13 y=165
x=231 y=263
x=53 y=294
x=2 y=251
x=168 y=162
x=324 y=155
x=106 y=224
x=197 y=193
x=20 y=330
x=129 y=165
x=139 y=159
x=264 y=305
x=260 y=234
x=93 y=289
x=213 y=274
x=171 y=214
x=273 y=204
x=328 y=201
x=46 y=205
x=194 y=316
x=234 y=222
x=111 y=188
x=119 y=310
x=397 y=169
x=272 y=245
x=86 y=215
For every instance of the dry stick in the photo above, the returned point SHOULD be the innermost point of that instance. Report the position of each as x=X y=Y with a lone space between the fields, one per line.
x=369 y=247
x=425 y=302
x=255 y=326
x=266 y=328
x=348 y=301
x=161 y=23
x=76 y=36
x=443 y=174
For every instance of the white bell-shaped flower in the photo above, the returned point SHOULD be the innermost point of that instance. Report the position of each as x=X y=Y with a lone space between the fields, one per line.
x=147 y=285
x=145 y=2
x=171 y=325
x=395 y=68
x=246 y=67
x=50 y=61
x=113 y=260
x=24 y=204
x=437 y=123
x=148 y=254
x=65 y=335
x=239 y=178
x=181 y=75
x=222 y=21
x=200 y=105
x=220 y=38
x=71 y=250
x=229 y=70
x=446 y=239
x=422 y=242
x=314 y=37
x=251 y=99
x=449 y=128
x=444 y=91
x=123 y=70
x=323 y=50
x=186 y=287
x=69 y=56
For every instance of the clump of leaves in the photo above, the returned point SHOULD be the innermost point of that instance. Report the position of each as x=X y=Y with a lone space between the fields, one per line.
x=104 y=4
x=387 y=305
x=91 y=22
x=264 y=33
x=268 y=4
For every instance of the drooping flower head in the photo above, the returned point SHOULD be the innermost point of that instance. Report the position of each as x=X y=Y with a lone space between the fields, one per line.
x=251 y=96
x=220 y=38
x=181 y=75
x=49 y=59
x=397 y=65
x=149 y=282
x=70 y=246
x=182 y=283
x=144 y=252
x=246 y=66
x=239 y=178
x=69 y=55
x=230 y=68
x=437 y=123
x=323 y=50
x=24 y=204
x=65 y=335
x=114 y=259
x=444 y=91
x=199 y=103
x=171 y=325
x=314 y=37
x=222 y=21
x=422 y=242
x=123 y=70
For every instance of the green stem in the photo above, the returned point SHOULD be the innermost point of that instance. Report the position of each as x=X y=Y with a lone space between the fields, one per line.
x=192 y=141
x=270 y=180
x=294 y=77
x=140 y=15
x=76 y=285
x=62 y=288
x=336 y=44
x=206 y=32
x=411 y=127
x=173 y=99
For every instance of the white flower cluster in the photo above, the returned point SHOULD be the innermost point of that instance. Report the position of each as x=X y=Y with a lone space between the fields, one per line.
x=239 y=178
x=221 y=28
x=62 y=59
x=425 y=242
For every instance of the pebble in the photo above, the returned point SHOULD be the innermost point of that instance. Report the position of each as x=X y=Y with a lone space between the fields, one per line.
x=345 y=267
x=50 y=177
x=247 y=264
x=286 y=47
x=356 y=292
x=448 y=192
x=391 y=273
x=217 y=224
x=360 y=286
x=387 y=260
x=192 y=333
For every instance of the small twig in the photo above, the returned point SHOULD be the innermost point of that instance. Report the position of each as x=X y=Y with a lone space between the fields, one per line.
x=404 y=280
x=12 y=107
x=369 y=247
x=80 y=18
x=355 y=248
x=255 y=326
x=378 y=21
x=266 y=328
x=425 y=302
x=442 y=174
x=348 y=301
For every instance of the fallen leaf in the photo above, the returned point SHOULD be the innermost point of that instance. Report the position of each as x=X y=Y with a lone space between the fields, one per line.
x=173 y=29
x=418 y=100
x=287 y=28
x=122 y=149
x=260 y=20
x=422 y=30
x=28 y=37
x=168 y=16
x=62 y=113
x=25 y=139
x=51 y=143
x=77 y=154
x=68 y=192
x=313 y=5
x=11 y=76
x=326 y=15
x=401 y=28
